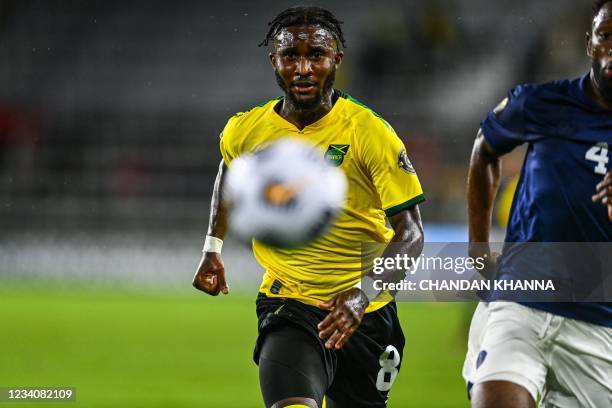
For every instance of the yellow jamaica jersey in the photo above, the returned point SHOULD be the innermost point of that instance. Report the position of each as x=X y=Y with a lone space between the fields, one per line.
x=381 y=183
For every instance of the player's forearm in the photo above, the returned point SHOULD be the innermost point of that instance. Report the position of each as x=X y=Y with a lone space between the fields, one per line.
x=409 y=237
x=408 y=241
x=217 y=224
x=483 y=181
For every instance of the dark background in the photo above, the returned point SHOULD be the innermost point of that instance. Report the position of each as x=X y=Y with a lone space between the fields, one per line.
x=110 y=111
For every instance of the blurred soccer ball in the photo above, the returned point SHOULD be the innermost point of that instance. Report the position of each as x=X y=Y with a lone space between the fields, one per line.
x=285 y=195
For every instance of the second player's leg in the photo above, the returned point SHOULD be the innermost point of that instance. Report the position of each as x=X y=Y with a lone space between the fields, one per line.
x=581 y=361
x=501 y=394
x=505 y=366
x=487 y=393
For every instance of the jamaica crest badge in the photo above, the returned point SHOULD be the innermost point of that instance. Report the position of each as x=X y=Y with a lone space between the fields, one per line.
x=335 y=154
x=404 y=163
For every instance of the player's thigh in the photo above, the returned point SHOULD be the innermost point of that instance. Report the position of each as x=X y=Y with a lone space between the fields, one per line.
x=477 y=327
x=369 y=363
x=291 y=368
x=510 y=351
x=581 y=366
x=486 y=393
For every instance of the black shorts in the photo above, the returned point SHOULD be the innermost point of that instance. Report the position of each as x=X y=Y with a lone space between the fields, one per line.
x=293 y=361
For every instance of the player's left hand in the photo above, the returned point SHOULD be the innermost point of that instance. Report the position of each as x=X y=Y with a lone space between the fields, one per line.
x=604 y=193
x=347 y=309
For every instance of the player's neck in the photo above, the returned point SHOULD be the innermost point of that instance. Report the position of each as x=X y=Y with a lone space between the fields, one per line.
x=593 y=91
x=301 y=117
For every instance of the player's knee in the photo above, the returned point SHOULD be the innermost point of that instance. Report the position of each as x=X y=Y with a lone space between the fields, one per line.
x=501 y=394
x=296 y=403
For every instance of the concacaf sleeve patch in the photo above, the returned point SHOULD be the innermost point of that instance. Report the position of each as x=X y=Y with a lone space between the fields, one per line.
x=404 y=163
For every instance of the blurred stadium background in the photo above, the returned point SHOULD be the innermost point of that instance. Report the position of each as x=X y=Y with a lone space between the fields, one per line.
x=109 y=120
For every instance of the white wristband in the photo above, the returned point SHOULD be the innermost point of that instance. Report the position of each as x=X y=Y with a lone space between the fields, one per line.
x=366 y=285
x=212 y=244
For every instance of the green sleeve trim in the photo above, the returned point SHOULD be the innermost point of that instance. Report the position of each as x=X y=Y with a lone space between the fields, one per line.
x=389 y=212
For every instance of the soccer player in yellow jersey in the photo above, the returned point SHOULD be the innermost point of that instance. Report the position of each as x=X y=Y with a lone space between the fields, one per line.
x=319 y=335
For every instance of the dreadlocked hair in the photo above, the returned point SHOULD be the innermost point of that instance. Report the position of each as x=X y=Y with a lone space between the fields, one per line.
x=304 y=15
x=597 y=5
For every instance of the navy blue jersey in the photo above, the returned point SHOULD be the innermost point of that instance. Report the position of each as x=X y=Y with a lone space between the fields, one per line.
x=568 y=137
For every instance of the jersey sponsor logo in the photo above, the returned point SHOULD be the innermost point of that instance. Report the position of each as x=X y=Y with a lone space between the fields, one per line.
x=335 y=153
x=404 y=163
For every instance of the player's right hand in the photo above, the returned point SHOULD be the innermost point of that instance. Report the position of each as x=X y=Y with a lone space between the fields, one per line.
x=346 y=312
x=210 y=276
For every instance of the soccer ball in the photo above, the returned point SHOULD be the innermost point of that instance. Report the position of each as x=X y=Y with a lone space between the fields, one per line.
x=284 y=195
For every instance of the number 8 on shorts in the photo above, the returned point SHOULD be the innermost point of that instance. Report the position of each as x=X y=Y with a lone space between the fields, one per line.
x=389 y=360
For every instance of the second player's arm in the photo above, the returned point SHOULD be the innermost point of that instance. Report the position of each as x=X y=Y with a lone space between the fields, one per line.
x=348 y=308
x=210 y=275
x=483 y=182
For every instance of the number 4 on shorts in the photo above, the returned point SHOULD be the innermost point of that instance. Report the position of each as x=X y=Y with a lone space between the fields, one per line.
x=599 y=154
